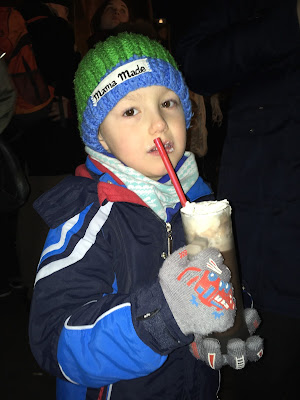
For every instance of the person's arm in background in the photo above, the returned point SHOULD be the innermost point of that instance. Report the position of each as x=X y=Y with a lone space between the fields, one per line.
x=227 y=42
x=7 y=96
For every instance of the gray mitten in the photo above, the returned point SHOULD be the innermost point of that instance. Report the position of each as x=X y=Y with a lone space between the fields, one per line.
x=198 y=292
x=239 y=352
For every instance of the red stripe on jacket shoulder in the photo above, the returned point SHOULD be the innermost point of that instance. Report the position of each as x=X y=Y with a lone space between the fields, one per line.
x=82 y=170
x=107 y=191
x=113 y=193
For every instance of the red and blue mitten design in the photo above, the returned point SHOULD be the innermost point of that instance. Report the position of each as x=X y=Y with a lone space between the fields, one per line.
x=198 y=292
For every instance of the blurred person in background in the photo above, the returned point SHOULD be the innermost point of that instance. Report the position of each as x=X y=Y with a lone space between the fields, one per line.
x=108 y=16
x=253 y=48
x=51 y=30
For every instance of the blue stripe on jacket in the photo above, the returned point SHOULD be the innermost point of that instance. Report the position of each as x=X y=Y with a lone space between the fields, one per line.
x=82 y=360
x=58 y=238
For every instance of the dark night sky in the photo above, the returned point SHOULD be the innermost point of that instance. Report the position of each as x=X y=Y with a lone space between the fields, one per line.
x=160 y=8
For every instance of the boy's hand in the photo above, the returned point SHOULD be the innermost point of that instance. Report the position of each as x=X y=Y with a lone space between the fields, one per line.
x=238 y=351
x=198 y=292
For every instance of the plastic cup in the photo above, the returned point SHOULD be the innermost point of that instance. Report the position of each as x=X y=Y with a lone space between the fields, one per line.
x=208 y=224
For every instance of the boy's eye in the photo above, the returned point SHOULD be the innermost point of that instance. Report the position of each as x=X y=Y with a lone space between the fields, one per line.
x=168 y=103
x=131 y=112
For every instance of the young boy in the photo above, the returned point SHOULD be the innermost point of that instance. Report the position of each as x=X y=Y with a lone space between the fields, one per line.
x=111 y=316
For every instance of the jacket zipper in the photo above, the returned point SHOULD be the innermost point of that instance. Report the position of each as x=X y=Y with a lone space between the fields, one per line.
x=164 y=255
x=169 y=237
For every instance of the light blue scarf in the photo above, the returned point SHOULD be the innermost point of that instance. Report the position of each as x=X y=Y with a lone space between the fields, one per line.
x=158 y=196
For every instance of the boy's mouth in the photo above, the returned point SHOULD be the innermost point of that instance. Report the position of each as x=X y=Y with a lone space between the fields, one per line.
x=167 y=145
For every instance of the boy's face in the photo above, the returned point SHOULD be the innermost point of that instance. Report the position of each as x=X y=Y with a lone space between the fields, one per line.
x=141 y=116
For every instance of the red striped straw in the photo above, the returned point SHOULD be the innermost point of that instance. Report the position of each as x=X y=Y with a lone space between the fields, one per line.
x=171 y=172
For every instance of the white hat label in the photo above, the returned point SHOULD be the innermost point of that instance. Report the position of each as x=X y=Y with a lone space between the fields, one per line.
x=120 y=75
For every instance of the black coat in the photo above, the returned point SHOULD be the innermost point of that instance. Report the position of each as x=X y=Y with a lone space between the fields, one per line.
x=255 y=52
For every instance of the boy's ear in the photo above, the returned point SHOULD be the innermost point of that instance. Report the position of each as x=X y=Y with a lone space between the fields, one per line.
x=102 y=140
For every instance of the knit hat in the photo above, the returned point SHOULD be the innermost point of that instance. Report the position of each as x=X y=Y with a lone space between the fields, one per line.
x=115 y=67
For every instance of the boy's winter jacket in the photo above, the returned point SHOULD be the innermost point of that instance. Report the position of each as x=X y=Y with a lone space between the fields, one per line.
x=99 y=320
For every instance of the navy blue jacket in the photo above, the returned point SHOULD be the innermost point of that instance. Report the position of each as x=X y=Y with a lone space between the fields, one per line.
x=253 y=48
x=99 y=321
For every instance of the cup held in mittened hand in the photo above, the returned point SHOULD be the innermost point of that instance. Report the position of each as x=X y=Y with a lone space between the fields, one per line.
x=208 y=224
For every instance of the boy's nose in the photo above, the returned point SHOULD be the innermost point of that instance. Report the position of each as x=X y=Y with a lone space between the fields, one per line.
x=158 y=125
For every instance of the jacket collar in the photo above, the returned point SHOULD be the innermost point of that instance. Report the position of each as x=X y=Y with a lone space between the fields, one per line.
x=111 y=188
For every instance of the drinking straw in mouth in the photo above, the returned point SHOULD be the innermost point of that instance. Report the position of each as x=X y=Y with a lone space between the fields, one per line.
x=170 y=169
